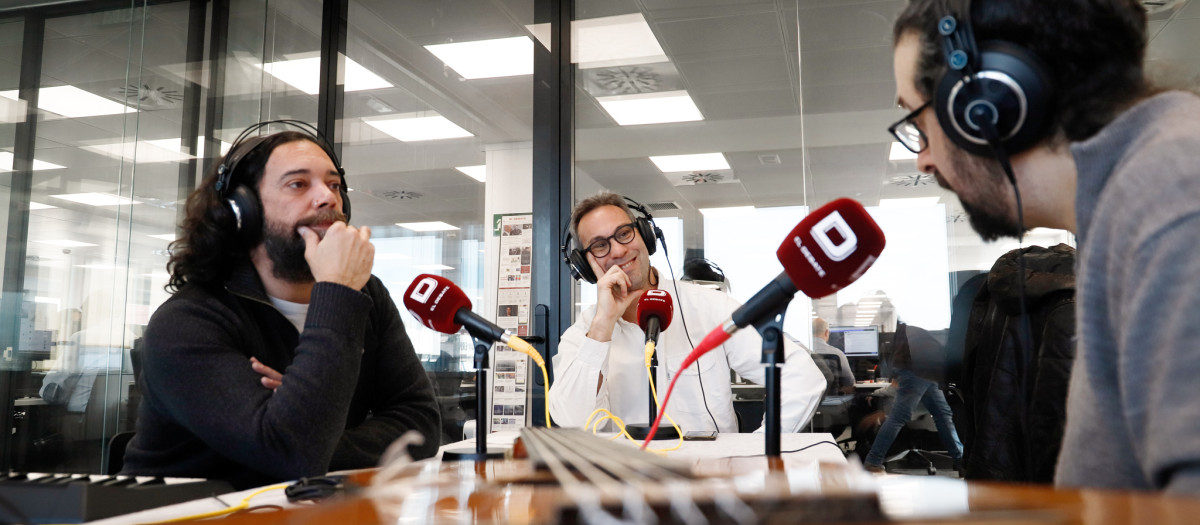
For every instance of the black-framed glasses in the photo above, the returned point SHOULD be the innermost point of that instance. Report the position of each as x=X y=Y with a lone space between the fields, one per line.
x=624 y=235
x=907 y=132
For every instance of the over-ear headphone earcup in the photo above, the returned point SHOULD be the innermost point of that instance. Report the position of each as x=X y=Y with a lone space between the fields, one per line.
x=580 y=269
x=247 y=211
x=650 y=233
x=345 y=200
x=1011 y=88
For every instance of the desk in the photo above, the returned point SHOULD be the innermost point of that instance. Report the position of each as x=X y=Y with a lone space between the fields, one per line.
x=926 y=498
x=863 y=386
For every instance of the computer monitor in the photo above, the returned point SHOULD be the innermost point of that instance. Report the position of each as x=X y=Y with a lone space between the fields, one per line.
x=861 y=341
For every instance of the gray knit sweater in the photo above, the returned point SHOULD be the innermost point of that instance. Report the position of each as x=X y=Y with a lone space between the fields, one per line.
x=1133 y=412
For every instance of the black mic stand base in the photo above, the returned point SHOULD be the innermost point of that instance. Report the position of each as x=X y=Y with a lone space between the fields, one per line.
x=469 y=454
x=639 y=432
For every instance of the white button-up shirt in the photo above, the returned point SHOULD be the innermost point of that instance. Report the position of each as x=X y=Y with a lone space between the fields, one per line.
x=581 y=361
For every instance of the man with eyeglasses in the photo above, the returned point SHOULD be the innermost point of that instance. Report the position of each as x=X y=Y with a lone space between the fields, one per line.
x=1114 y=161
x=601 y=363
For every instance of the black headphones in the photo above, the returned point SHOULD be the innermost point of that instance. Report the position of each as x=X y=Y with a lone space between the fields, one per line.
x=576 y=258
x=243 y=199
x=998 y=82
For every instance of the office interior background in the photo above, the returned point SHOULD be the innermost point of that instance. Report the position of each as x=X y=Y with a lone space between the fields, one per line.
x=728 y=119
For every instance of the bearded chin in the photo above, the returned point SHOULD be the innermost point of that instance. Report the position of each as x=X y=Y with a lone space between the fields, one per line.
x=986 y=200
x=285 y=248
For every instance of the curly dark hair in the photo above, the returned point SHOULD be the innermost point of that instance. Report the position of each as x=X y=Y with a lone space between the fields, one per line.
x=208 y=247
x=1093 y=50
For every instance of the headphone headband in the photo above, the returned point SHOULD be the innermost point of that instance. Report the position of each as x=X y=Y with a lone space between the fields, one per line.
x=241 y=198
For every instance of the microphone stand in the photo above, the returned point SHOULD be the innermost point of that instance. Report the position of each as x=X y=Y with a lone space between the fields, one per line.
x=640 y=432
x=771 y=329
x=481 y=451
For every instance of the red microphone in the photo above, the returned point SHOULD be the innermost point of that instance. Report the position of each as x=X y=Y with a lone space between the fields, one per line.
x=654 y=312
x=832 y=247
x=441 y=305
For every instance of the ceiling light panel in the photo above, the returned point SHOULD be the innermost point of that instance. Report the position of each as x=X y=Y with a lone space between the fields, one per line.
x=426 y=226
x=96 y=199
x=72 y=102
x=419 y=128
x=693 y=162
x=899 y=152
x=305 y=74
x=478 y=173
x=651 y=108
x=6 y=163
x=500 y=57
x=614 y=41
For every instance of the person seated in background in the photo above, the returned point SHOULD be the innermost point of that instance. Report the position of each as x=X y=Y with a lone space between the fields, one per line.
x=600 y=361
x=910 y=390
x=279 y=355
x=821 y=346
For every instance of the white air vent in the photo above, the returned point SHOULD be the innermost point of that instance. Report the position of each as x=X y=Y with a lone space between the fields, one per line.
x=912 y=179
x=769 y=160
x=662 y=206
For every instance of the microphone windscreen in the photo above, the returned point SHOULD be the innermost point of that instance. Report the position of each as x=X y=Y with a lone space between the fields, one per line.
x=831 y=248
x=655 y=303
x=434 y=300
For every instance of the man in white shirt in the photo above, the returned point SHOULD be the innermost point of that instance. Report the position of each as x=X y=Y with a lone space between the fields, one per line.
x=601 y=362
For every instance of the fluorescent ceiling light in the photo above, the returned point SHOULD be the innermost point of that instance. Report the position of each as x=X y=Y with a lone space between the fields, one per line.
x=478 y=173
x=614 y=41
x=391 y=256
x=651 y=108
x=72 y=102
x=730 y=211
x=436 y=226
x=6 y=163
x=305 y=74
x=47 y=300
x=500 y=57
x=96 y=266
x=695 y=162
x=157 y=275
x=164 y=236
x=915 y=202
x=899 y=152
x=65 y=243
x=432 y=267
x=40 y=206
x=97 y=199
x=416 y=129
x=176 y=145
x=140 y=151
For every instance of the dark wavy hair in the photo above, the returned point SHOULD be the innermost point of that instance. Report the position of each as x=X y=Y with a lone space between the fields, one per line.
x=1093 y=49
x=208 y=248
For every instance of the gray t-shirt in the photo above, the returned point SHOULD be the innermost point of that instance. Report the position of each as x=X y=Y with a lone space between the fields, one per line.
x=1133 y=422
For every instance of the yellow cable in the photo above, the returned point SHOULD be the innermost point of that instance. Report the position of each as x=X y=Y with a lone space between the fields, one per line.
x=245 y=504
x=518 y=344
x=654 y=394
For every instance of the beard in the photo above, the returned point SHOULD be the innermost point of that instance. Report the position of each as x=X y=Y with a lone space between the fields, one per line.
x=285 y=247
x=985 y=197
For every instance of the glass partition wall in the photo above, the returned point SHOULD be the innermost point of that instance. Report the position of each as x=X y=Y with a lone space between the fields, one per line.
x=733 y=120
x=128 y=104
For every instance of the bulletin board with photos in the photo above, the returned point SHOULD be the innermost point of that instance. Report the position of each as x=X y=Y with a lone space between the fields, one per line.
x=510 y=369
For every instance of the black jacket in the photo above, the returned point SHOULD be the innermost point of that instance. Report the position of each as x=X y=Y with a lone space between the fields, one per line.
x=352 y=385
x=1015 y=402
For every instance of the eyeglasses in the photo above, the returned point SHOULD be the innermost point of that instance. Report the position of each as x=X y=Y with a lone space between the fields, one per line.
x=624 y=235
x=907 y=132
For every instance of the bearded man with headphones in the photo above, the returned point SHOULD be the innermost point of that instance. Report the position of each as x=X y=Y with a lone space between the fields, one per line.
x=600 y=361
x=278 y=356
x=1048 y=101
